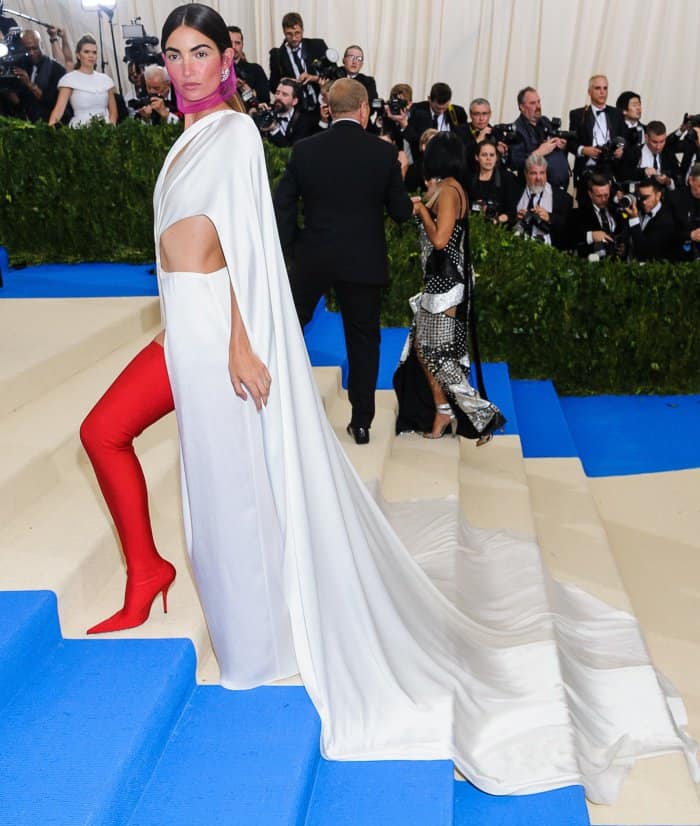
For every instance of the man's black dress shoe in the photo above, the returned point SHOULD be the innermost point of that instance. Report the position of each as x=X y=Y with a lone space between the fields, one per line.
x=359 y=434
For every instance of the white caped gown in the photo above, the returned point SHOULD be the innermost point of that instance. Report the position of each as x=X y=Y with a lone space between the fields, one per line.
x=446 y=643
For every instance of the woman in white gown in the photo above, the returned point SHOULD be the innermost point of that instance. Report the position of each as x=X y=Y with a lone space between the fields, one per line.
x=89 y=92
x=458 y=646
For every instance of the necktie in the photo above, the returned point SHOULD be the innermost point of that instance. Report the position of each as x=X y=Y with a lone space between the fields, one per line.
x=297 y=59
x=656 y=163
x=604 y=222
x=531 y=202
x=435 y=122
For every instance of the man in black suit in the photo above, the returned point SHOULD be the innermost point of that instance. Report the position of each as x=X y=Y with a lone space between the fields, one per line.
x=685 y=207
x=599 y=142
x=651 y=231
x=295 y=57
x=251 y=79
x=345 y=178
x=39 y=83
x=629 y=103
x=290 y=124
x=353 y=61
x=162 y=108
x=438 y=112
x=653 y=159
x=536 y=133
x=598 y=227
x=542 y=210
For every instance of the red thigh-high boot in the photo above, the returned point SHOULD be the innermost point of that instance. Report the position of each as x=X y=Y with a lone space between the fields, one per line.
x=139 y=396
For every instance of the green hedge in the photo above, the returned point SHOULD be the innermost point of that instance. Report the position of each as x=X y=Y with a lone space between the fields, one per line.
x=81 y=195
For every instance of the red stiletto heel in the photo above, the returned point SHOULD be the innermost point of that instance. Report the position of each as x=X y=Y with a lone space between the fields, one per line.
x=138 y=601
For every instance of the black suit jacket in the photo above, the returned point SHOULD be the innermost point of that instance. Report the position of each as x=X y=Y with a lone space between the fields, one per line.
x=656 y=241
x=686 y=217
x=581 y=122
x=420 y=118
x=254 y=75
x=585 y=219
x=312 y=48
x=301 y=125
x=49 y=72
x=366 y=80
x=631 y=171
x=345 y=178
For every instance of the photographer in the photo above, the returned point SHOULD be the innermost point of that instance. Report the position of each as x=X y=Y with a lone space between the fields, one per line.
x=538 y=135
x=353 y=61
x=39 y=90
x=653 y=159
x=492 y=190
x=295 y=58
x=437 y=112
x=251 y=79
x=542 y=211
x=478 y=129
x=651 y=223
x=599 y=137
x=284 y=123
x=685 y=208
x=630 y=105
x=161 y=108
x=598 y=227
x=686 y=140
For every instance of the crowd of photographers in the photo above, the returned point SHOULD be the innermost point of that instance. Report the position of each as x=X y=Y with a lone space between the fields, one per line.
x=637 y=186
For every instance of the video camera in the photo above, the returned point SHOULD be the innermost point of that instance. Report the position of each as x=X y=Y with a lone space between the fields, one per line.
x=140 y=48
x=13 y=55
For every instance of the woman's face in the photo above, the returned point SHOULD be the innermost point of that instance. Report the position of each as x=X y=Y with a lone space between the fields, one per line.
x=487 y=158
x=194 y=63
x=88 y=56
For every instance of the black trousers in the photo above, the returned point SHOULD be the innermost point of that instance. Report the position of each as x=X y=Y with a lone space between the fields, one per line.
x=359 y=308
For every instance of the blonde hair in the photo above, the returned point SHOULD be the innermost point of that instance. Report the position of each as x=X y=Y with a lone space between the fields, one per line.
x=346 y=96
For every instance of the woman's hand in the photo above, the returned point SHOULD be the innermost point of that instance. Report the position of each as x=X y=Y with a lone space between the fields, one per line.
x=249 y=373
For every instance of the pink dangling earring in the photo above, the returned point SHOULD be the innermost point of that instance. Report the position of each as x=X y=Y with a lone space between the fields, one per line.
x=225 y=74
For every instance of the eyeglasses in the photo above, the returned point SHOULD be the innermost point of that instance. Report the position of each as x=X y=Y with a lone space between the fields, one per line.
x=354 y=58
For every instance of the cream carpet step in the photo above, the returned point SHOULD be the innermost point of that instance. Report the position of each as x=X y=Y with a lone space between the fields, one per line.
x=45 y=341
x=39 y=440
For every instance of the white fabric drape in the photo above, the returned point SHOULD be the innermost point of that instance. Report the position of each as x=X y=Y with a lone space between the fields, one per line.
x=482 y=48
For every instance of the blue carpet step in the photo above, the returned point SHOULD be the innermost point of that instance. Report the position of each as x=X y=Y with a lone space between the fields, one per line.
x=80 y=281
x=243 y=757
x=80 y=739
x=562 y=807
x=544 y=431
x=410 y=793
x=29 y=632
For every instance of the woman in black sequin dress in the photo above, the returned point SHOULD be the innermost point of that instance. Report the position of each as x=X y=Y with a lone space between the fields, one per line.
x=433 y=382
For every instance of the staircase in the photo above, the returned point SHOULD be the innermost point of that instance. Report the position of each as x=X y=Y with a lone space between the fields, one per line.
x=134 y=729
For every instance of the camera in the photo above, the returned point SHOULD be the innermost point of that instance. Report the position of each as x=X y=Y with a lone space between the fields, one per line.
x=13 y=55
x=608 y=149
x=326 y=67
x=140 y=48
x=264 y=118
x=529 y=223
x=139 y=103
x=395 y=104
x=691 y=120
x=505 y=133
x=629 y=194
x=489 y=209
x=553 y=130
x=248 y=95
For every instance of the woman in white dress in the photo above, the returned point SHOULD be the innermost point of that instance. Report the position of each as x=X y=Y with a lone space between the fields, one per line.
x=89 y=92
x=441 y=642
